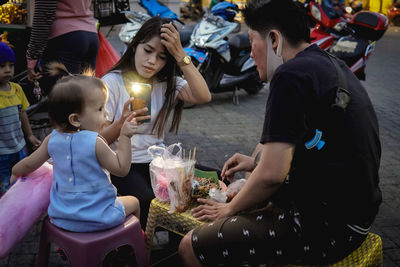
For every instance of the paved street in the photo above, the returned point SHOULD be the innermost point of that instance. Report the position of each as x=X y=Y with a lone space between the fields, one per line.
x=219 y=129
x=383 y=87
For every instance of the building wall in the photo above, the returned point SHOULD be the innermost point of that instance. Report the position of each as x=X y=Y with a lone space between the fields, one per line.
x=380 y=5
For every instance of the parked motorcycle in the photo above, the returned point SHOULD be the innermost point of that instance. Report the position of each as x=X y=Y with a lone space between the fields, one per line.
x=352 y=40
x=129 y=30
x=137 y=18
x=227 y=11
x=155 y=8
x=394 y=13
x=225 y=63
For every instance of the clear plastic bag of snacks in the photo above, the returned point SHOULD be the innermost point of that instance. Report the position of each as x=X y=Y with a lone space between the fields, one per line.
x=171 y=175
x=158 y=179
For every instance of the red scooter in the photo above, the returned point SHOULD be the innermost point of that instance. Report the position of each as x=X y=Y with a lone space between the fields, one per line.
x=350 y=38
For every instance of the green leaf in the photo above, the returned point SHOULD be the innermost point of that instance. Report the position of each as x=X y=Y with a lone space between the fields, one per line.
x=212 y=175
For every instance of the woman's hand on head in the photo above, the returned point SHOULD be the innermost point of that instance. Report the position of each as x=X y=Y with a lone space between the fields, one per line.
x=210 y=210
x=171 y=40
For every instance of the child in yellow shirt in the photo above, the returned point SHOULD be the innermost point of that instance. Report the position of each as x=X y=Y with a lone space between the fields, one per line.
x=14 y=122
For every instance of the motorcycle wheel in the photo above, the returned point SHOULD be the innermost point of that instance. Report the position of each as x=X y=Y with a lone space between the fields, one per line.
x=253 y=85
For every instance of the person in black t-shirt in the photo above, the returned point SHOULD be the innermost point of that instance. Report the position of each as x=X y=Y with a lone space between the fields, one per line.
x=318 y=162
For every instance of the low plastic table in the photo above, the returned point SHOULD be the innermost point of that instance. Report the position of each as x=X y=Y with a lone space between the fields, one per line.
x=179 y=223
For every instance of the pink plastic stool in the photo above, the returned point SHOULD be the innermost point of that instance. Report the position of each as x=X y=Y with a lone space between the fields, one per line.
x=90 y=249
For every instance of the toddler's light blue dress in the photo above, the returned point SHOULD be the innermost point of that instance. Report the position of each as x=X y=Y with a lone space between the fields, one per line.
x=82 y=198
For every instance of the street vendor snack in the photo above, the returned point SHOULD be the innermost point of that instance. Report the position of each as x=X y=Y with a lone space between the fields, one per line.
x=172 y=172
x=180 y=186
x=202 y=186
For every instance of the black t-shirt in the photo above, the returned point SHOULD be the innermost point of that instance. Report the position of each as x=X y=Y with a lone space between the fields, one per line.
x=341 y=179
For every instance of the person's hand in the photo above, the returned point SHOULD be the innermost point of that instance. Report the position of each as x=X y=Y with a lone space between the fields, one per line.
x=13 y=179
x=129 y=127
x=171 y=40
x=236 y=163
x=141 y=118
x=33 y=75
x=211 y=210
x=126 y=112
x=34 y=141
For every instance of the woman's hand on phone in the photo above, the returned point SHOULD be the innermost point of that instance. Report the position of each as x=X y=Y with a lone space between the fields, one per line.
x=139 y=113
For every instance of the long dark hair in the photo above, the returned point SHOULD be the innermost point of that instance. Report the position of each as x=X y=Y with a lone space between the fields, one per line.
x=168 y=73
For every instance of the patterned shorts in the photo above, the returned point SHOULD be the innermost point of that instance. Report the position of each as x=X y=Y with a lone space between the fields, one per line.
x=272 y=235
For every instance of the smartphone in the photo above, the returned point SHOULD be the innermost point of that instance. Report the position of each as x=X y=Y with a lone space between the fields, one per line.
x=142 y=97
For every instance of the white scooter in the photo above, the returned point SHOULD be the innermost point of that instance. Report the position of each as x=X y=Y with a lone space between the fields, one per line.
x=129 y=30
x=224 y=61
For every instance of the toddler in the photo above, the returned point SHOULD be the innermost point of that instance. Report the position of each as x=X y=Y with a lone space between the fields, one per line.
x=14 y=122
x=82 y=198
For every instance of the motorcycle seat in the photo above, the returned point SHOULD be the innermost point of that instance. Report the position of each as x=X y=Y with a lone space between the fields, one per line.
x=238 y=43
x=369 y=25
x=235 y=64
x=185 y=32
x=349 y=49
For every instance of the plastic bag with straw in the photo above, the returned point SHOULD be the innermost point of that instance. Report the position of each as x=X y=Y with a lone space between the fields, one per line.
x=171 y=171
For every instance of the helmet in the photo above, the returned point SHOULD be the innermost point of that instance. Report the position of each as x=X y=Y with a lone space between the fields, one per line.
x=226 y=10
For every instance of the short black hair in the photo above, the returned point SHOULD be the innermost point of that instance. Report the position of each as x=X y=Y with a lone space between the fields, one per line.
x=68 y=96
x=284 y=15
